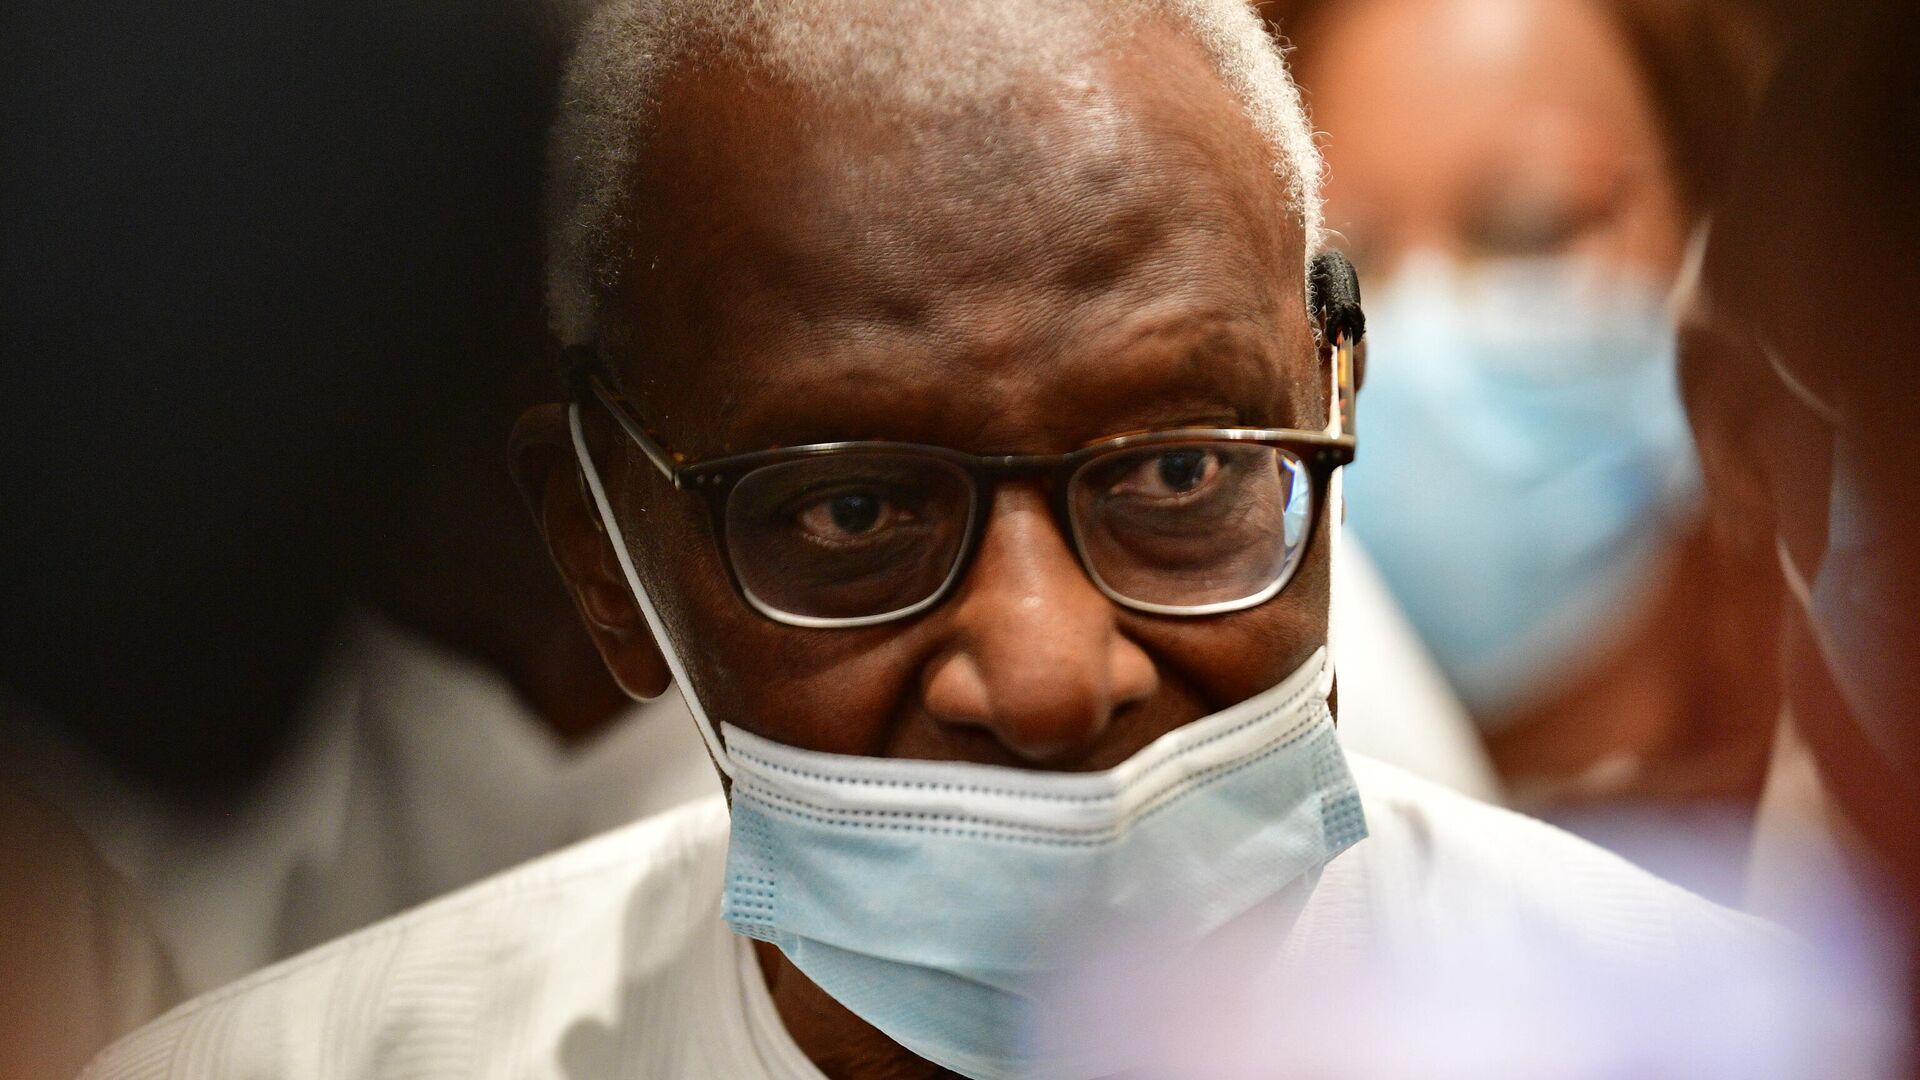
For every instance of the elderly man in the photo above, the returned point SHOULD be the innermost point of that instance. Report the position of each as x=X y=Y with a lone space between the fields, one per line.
x=958 y=403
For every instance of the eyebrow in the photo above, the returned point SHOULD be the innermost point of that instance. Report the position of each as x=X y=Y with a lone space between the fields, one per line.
x=1226 y=373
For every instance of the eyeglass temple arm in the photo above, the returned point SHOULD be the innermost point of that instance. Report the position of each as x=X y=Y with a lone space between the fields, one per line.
x=656 y=453
x=1333 y=295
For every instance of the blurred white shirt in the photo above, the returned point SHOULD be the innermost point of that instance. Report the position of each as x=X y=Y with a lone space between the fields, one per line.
x=1807 y=871
x=417 y=771
x=610 y=960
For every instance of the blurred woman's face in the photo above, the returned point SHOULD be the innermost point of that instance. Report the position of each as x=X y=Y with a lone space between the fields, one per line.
x=1499 y=177
x=1488 y=129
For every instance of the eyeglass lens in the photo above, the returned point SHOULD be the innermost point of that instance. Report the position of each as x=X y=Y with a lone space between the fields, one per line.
x=1188 y=526
x=858 y=534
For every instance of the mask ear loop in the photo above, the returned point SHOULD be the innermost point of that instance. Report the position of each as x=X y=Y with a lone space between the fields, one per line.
x=1815 y=404
x=1687 y=296
x=604 y=508
x=1797 y=584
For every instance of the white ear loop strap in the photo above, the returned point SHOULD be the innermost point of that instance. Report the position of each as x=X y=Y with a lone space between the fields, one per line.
x=1790 y=571
x=1686 y=292
x=605 y=509
x=1814 y=402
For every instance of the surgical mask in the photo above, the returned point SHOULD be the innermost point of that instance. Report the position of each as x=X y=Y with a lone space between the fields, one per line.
x=940 y=900
x=1527 y=461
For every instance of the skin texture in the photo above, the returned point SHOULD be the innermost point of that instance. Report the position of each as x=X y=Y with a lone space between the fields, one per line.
x=1105 y=251
x=1535 y=137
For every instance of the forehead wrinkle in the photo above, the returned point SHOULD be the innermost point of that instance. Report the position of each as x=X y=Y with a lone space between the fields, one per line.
x=949 y=57
x=962 y=192
x=913 y=246
x=1179 y=364
x=991 y=350
x=827 y=213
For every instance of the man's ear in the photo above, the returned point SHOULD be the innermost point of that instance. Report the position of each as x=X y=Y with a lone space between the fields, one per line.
x=540 y=455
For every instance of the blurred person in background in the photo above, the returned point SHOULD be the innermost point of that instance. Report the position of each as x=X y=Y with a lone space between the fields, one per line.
x=1518 y=180
x=1801 y=347
x=79 y=964
x=188 y=387
x=277 y=634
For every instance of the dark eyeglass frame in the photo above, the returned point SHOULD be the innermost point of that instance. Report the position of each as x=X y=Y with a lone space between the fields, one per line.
x=1320 y=452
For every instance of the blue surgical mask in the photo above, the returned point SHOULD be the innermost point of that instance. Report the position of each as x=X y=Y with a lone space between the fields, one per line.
x=940 y=901
x=1527 y=462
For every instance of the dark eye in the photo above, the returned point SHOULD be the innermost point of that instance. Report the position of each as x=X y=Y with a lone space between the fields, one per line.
x=1169 y=474
x=849 y=515
x=1183 y=470
x=854 y=513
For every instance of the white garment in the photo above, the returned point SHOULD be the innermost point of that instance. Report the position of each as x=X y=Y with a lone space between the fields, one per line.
x=1395 y=705
x=1805 y=872
x=1799 y=871
x=610 y=960
x=417 y=771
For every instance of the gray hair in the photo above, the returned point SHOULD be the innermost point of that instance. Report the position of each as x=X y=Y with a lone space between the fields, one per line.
x=913 y=54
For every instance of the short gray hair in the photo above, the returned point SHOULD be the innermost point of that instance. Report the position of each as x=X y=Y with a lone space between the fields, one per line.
x=913 y=53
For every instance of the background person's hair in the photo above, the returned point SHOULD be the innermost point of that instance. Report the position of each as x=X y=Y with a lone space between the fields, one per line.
x=910 y=57
x=1702 y=63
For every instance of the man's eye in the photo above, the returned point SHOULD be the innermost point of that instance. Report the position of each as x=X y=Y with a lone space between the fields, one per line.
x=1170 y=474
x=849 y=515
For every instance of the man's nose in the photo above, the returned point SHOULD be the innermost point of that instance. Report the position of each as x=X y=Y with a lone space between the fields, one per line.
x=1037 y=657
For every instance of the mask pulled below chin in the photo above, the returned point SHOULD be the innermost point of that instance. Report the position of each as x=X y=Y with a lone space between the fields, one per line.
x=948 y=903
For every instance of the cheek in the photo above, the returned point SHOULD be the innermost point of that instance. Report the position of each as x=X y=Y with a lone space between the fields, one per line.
x=714 y=632
x=831 y=690
x=834 y=690
x=1229 y=658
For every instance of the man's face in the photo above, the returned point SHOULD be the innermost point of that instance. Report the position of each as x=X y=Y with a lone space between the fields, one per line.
x=1103 y=254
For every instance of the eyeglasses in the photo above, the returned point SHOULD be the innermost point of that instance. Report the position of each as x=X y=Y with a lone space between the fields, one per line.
x=1192 y=521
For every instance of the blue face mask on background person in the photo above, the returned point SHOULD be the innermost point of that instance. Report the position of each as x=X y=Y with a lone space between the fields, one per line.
x=1528 y=460
x=939 y=901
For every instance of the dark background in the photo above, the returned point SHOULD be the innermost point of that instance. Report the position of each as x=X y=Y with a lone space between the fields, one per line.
x=264 y=269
